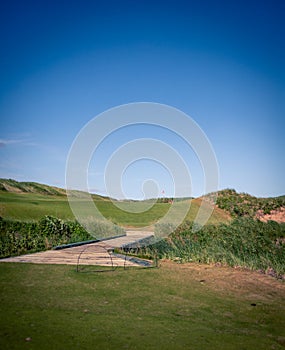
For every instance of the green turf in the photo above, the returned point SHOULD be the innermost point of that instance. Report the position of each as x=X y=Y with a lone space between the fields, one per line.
x=53 y=307
x=30 y=206
x=128 y=218
x=33 y=206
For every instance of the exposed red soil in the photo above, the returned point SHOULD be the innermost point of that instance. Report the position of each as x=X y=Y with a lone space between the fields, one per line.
x=275 y=215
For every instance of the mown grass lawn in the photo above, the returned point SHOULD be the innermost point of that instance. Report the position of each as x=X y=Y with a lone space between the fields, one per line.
x=31 y=206
x=174 y=307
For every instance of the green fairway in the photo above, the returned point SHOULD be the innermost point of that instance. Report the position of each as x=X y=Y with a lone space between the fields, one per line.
x=128 y=218
x=174 y=307
x=33 y=206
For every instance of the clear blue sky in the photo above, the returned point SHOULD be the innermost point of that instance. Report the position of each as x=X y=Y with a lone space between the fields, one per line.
x=221 y=62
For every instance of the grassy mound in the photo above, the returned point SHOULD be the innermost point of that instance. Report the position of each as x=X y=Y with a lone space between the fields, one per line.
x=10 y=185
x=33 y=206
x=243 y=204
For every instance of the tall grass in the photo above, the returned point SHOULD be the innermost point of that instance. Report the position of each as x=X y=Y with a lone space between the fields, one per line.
x=245 y=242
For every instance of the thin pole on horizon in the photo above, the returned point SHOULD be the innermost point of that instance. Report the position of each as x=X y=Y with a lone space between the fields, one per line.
x=163 y=196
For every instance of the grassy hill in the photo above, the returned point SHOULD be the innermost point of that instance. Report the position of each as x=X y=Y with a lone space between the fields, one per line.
x=13 y=186
x=31 y=201
x=28 y=201
x=246 y=205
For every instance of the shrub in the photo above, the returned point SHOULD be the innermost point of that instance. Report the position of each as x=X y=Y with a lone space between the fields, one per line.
x=18 y=237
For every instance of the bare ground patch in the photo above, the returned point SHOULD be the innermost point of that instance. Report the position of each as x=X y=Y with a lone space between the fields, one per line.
x=277 y=215
x=238 y=282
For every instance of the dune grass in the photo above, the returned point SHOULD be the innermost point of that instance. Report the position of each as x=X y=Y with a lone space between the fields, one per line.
x=244 y=242
x=173 y=307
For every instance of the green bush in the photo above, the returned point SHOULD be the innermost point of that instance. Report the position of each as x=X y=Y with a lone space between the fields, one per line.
x=18 y=237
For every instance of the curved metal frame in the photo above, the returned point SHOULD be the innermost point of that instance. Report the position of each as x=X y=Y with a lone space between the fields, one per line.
x=114 y=266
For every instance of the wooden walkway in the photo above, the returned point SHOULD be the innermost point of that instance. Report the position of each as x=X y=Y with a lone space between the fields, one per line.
x=99 y=253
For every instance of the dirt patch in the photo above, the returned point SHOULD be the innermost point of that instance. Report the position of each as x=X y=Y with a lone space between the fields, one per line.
x=277 y=215
x=238 y=282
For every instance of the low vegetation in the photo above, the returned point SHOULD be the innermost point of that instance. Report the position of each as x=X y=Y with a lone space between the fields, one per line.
x=19 y=237
x=243 y=204
x=245 y=242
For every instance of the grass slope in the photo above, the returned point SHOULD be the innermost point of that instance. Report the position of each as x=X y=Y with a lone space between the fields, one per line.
x=10 y=185
x=244 y=204
x=175 y=307
x=33 y=206
x=29 y=206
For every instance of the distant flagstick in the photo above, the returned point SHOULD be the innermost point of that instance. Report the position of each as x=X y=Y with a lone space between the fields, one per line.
x=163 y=196
x=164 y=199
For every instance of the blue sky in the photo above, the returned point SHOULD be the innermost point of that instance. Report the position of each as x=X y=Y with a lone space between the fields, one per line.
x=220 y=62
